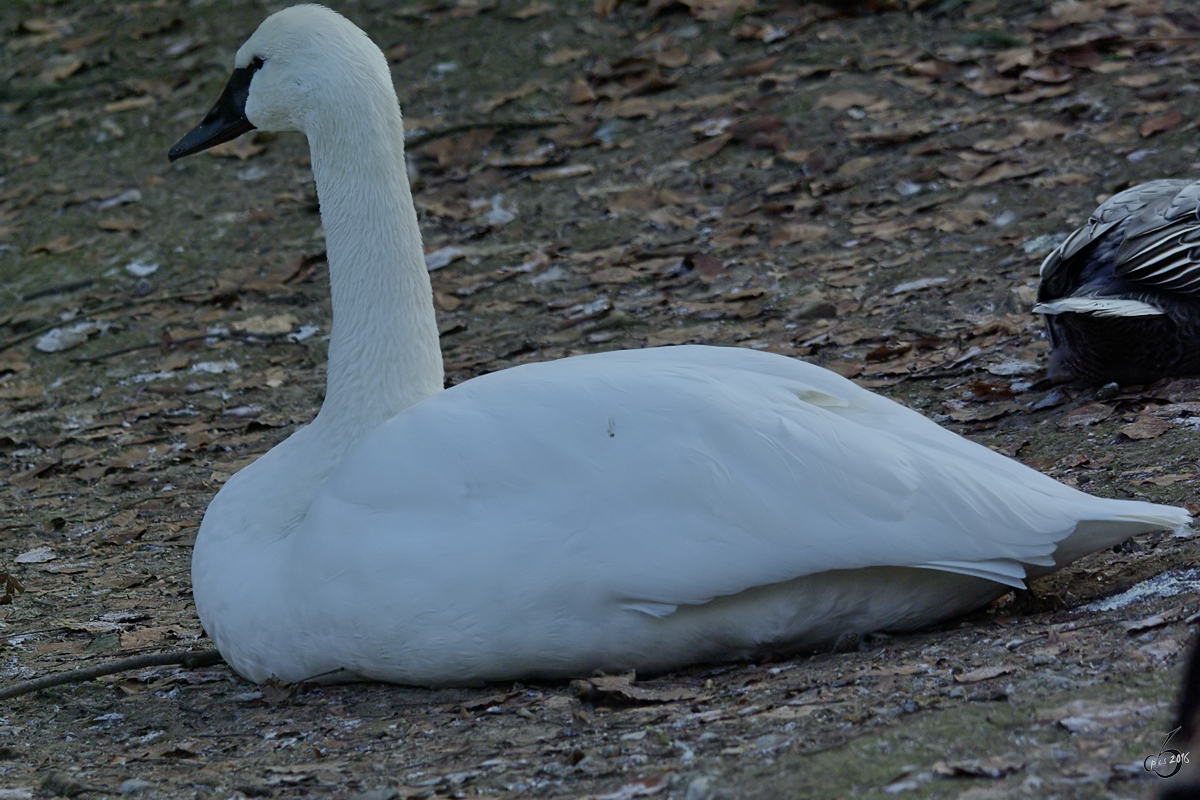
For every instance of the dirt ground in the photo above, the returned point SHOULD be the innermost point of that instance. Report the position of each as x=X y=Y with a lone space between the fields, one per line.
x=873 y=192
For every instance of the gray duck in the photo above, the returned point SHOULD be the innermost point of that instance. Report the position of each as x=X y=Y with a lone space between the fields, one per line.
x=1121 y=295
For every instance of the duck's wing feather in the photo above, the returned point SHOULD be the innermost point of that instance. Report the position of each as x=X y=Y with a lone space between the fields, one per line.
x=1159 y=228
x=663 y=477
x=1162 y=243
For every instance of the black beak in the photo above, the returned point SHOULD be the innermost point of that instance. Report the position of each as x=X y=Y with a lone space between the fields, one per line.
x=226 y=121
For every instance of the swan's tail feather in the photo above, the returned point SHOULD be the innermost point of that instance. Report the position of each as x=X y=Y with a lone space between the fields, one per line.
x=1088 y=536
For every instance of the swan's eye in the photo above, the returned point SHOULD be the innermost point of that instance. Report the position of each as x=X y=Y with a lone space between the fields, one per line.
x=255 y=64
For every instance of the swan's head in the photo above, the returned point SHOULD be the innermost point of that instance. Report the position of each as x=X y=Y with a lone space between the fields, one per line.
x=303 y=64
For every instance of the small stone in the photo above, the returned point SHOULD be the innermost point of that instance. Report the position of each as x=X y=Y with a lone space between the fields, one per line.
x=699 y=789
x=377 y=794
x=593 y=765
x=814 y=309
x=60 y=785
x=133 y=786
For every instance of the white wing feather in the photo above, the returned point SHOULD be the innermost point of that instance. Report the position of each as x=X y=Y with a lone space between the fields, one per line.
x=673 y=477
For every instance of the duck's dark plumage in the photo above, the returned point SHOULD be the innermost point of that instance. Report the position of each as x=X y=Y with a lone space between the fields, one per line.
x=1185 y=785
x=1121 y=295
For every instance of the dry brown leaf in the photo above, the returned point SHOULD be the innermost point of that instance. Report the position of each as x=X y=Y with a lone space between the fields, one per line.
x=672 y=59
x=858 y=165
x=1015 y=58
x=693 y=334
x=122 y=224
x=20 y=391
x=1038 y=129
x=558 y=173
x=459 y=151
x=1040 y=93
x=888 y=351
x=840 y=101
x=580 y=91
x=59 y=244
x=707 y=148
x=959 y=170
x=708 y=268
x=145 y=636
x=1085 y=415
x=1169 y=121
x=60 y=68
x=932 y=68
x=130 y=104
x=1010 y=142
x=1139 y=80
x=266 y=326
x=1091 y=716
x=635 y=107
x=1159 y=651
x=1067 y=179
x=525 y=90
x=668 y=216
x=992 y=87
x=1066 y=13
x=797 y=232
x=847 y=369
x=1049 y=73
x=1005 y=171
x=563 y=55
x=983 y=412
x=990 y=767
x=1145 y=427
x=618 y=689
x=464 y=9
x=12 y=361
x=175 y=361
x=712 y=9
x=534 y=9
x=1171 y=478
x=761 y=30
x=1154 y=621
x=983 y=674
x=534 y=158
x=617 y=275
x=241 y=148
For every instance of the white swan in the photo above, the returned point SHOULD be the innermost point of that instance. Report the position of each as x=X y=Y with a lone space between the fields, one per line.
x=640 y=509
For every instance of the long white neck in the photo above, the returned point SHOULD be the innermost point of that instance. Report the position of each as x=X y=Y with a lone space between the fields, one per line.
x=384 y=353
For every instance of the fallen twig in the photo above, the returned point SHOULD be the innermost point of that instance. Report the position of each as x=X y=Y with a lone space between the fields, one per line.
x=113 y=306
x=187 y=658
x=231 y=336
x=417 y=139
x=61 y=288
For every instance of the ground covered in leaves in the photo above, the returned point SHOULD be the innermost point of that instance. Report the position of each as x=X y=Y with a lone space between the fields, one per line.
x=872 y=191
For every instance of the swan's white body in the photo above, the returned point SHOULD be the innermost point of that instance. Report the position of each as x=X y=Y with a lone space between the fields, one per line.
x=638 y=509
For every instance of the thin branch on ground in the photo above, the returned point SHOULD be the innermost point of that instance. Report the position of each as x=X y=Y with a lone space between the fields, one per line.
x=232 y=336
x=190 y=659
x=61 y=288
x=113 y=306
x=418 y=139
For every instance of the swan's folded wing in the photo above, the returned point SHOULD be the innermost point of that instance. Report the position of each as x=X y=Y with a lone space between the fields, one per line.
x=660 y=478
